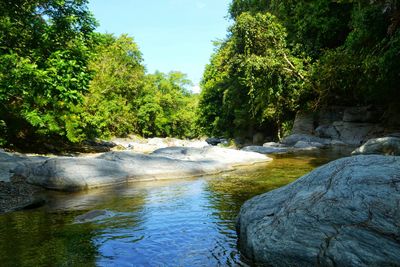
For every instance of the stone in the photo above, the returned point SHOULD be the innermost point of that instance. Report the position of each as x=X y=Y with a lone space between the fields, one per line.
x=213 y=141
x=265 y=150
x=272 y=144
x=356 y=133
x=361 y=114
x=112 y=168
x=384 y=146
x=291 y=140
x=308 y=145
x=327 y=131
x=303 y=123
x=345 y=213
x=17 y=194
x=328 y=115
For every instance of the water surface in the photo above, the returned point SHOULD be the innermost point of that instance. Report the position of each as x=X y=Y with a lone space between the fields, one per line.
x=162 y=223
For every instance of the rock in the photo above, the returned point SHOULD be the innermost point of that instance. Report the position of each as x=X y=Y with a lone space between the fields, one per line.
x=272 y=144
x=17 y=194
x=303 y=123
x=328 y=115
x=291 y=140
x=345 y=213
x=361 y=114
x=308 y=145
x=327 y=131
x=80 y=173
x=353 y=133
x=94 y=215
x=265 y=150
x=9 y=161
x=384 y=145
x=258 y=139
x=213 y=141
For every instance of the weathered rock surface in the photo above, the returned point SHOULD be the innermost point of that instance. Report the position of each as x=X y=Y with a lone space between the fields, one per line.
x=384 y=145
x=142 y=145
x=308 y=145
x=17 y=194
x=291 y=140
x=303 y=123
x=265 y=150
x=78 y=173
x=345 y=213
x=354 y=133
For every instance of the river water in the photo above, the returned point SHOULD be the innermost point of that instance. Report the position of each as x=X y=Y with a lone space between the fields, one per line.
x=187 y=222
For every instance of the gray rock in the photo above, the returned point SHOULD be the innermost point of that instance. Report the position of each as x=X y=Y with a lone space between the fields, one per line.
x=303 y=123
x=265 y=150
x=291 y=140
x=213 y=141
x=345 y=213
x=384 y=145
x=361 y=114
x=308 y=145
x=79 y=173
x=273 y=144
x=353 y=133
x=327 y=131
x=328 y=115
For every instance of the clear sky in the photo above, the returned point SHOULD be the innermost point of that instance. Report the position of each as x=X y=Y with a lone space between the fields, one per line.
x=173 y=35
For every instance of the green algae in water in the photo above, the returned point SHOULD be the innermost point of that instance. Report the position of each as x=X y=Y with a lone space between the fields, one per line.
x=166 y=223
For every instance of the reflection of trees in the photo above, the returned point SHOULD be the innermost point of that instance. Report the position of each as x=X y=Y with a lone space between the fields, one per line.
x=36 y=238
x=48 y=237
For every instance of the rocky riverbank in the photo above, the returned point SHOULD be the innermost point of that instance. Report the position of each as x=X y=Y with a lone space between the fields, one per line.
x=89 y=171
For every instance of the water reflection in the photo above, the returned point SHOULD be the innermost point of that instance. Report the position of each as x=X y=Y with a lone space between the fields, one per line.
x=166 y=223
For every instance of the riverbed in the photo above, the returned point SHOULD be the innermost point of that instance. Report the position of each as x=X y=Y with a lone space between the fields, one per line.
x=187 y=222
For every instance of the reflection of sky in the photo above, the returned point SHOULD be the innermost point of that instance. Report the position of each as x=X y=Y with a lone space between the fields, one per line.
x=176 y=226
x=172 y=34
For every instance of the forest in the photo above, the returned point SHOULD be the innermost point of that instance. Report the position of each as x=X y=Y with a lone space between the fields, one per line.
x=61 y=80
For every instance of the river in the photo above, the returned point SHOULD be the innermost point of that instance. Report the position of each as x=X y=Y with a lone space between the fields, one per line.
x=187 y=222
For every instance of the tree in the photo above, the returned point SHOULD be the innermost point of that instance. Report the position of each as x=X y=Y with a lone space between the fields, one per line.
x=44 y=51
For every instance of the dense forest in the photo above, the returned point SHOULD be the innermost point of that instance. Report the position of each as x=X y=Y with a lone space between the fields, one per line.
x=285 y=56
x=61 y=80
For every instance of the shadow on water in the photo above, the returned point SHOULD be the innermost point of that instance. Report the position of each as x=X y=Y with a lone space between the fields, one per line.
x=163 y=223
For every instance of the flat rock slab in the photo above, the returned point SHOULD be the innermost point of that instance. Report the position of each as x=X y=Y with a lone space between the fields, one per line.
x=111 y=168
x=345 y=213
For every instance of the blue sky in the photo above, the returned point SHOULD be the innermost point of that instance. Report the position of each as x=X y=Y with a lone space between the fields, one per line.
x=173 y=35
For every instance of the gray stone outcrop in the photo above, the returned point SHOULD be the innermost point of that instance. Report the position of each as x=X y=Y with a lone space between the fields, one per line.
x=385 y=146
x=111 y=168
x=345 y=213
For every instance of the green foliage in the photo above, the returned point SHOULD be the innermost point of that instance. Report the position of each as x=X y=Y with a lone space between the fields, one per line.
x=165 y=107
x=285 y=56
x=44 y=50
x=117 y=82
x=254 y=78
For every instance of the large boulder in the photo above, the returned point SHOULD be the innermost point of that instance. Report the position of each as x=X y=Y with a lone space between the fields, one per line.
x=79 y=173
x=345 y=213
x=384 y=145
x=361 y=114
x=356 y=133
x=303 y=123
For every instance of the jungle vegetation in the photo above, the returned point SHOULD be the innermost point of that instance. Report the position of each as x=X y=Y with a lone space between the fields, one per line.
x=62 y=80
